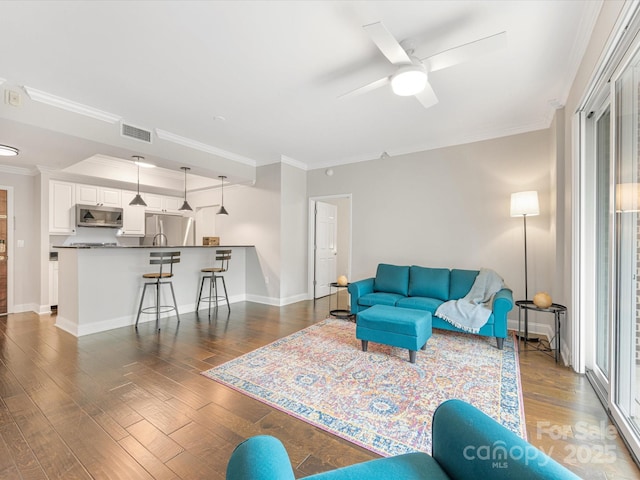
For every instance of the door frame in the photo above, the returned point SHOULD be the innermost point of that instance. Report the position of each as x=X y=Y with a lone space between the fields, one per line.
x=11 y=247
x=312 y=236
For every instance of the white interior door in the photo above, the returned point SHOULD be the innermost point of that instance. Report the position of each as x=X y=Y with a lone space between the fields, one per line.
x=325 y=247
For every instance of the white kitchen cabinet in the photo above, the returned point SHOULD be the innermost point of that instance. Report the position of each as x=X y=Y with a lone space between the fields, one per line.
x=62 y=202
x=94 y=195
x=172 y=204
x=133 y=223
x=162 y=203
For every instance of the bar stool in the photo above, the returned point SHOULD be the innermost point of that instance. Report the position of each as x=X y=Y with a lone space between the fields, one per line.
x=159 y=258
x=212 y=273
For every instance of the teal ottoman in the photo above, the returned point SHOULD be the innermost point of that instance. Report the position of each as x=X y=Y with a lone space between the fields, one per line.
x=395 y=326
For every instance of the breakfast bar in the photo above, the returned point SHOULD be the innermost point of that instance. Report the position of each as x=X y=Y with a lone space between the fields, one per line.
x=100 y=286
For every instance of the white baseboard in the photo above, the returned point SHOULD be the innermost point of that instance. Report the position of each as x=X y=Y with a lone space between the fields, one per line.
x=274 y=302
x=535 y=328
x=547 y=331
x=30 y=307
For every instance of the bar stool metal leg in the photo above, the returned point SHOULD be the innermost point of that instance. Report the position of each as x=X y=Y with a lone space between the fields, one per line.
x=224 y=285
x=141 y=302
x=158 y=305
x=200 y=294
x=213 y=292
x=175 y=304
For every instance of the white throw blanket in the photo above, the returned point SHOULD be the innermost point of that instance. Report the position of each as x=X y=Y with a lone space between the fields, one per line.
x=471 y=312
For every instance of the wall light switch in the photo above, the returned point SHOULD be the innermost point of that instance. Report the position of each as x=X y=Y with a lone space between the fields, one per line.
x=20 y=243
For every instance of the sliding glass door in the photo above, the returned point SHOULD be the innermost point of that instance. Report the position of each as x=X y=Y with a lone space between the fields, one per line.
x=625 y=395
x=603 y=264
x=610 y=236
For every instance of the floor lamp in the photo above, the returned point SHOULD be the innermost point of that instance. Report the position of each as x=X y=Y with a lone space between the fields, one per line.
x=525 y=204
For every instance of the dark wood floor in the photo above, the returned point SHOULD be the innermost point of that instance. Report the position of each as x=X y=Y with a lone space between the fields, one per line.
x=127 y=405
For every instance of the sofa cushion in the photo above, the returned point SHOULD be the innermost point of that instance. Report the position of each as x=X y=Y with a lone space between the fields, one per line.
x=392 y=279
x=429 y=282
x=461 y=283
x=420 y=303
x=379 y=298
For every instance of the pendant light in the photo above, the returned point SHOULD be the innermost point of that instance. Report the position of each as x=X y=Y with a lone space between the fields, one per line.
x=185 y=205
x=137 y=200
x=222 y=211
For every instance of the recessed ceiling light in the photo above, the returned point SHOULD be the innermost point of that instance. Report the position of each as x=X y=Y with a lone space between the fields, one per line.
x=219 y=118
x=7 y=151
x=144 y=164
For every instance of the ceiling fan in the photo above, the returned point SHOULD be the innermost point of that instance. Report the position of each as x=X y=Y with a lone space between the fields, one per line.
x=411 y=75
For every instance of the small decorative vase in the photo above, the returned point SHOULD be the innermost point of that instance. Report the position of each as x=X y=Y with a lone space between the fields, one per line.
x=342 y=281
x=542 y=300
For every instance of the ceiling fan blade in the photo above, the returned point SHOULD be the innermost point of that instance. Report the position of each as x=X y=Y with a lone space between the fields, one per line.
x=367 y=88
x=387 y=43
x=465 y=52
x=427 y=97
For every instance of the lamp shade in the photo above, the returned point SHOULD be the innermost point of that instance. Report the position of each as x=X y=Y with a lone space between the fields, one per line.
x=627 y=197
x=525 y=203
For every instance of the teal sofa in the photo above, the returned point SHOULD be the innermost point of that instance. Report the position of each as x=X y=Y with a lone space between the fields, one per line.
x=425 y=288
x=467 y=444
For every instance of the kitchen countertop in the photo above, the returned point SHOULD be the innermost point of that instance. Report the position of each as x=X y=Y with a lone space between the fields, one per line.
x=100 y=286
x=150 y=246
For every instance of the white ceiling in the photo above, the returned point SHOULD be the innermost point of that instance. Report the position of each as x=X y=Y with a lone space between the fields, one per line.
x=274 y=71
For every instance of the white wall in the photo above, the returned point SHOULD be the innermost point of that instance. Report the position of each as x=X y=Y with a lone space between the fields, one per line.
x=450 y=208
x=254 y=218
x=293 y=234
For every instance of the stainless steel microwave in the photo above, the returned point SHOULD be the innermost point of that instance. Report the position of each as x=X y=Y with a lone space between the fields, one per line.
x=97 y=216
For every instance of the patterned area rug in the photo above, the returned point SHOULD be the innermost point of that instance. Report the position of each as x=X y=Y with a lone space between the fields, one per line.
x=378 y=399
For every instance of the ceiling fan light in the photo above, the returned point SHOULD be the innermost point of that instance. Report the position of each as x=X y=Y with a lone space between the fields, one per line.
x=408 y=81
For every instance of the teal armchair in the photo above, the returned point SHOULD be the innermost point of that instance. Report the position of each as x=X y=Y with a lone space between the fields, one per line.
x=467 y=444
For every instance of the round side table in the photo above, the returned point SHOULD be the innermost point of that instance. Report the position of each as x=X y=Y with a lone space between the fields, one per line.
x=556 y=309
x=338 y=312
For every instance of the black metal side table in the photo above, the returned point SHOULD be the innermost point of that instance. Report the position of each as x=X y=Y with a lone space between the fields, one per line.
x=338 y=312
x=555 y=308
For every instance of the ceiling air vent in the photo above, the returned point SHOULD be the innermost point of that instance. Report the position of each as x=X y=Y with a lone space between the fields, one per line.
x=135 y=132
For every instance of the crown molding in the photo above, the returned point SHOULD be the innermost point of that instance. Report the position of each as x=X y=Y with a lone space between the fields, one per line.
x=71 y=106
x=17 y=170
x=486 y=135
x=293 y=162
x=203 y=147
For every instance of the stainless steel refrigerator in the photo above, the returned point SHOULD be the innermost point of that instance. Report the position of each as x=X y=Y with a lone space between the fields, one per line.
x=173 y=230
